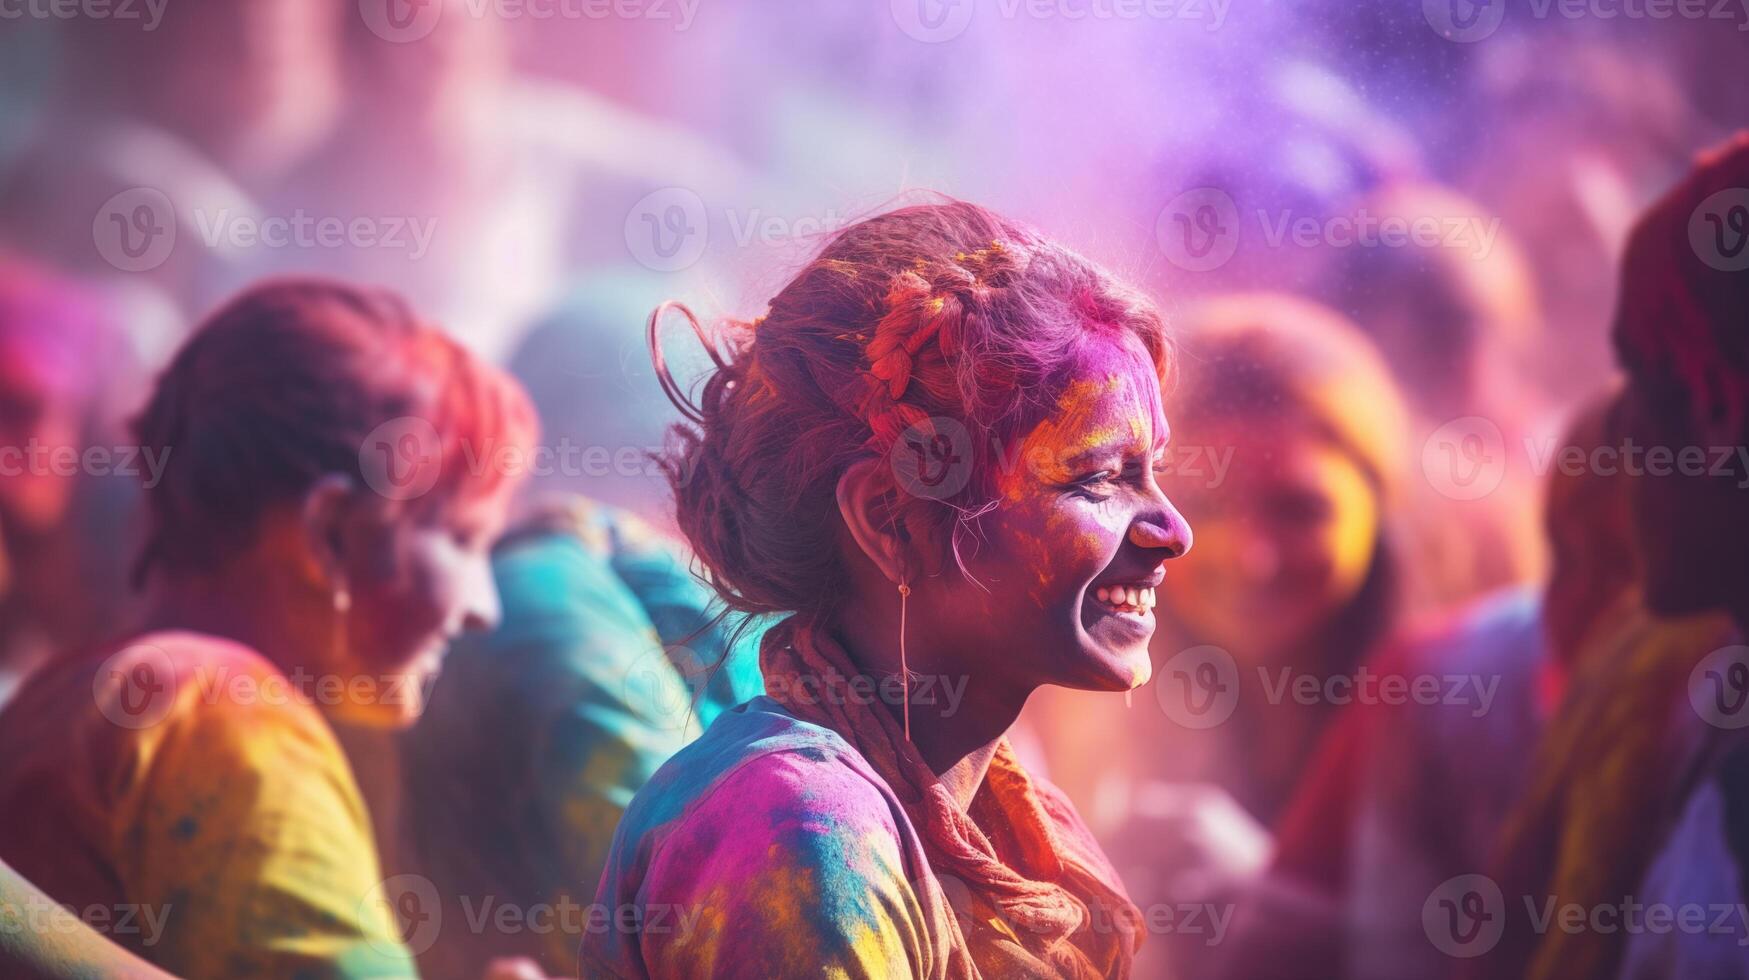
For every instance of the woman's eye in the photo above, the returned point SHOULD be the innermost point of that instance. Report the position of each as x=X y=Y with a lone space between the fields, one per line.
x=1095 y=481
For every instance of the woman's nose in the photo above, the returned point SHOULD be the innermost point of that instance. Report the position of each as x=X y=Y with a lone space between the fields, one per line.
x=483 y=609
x=1169 y=531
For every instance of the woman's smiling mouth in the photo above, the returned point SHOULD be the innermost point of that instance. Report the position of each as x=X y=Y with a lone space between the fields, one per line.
x=1134 y=600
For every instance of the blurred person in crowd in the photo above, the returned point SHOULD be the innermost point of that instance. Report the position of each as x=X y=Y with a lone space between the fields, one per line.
x=66 y=491
x=1286 y=444
x=608 y=660
x=1407 y=794
x=165 y=130
x=313 y=549
x=483 y=186
x=1639 y=789
x=1569 y=136
x=1443 y=290
x=852 y=822
x=1429 y=801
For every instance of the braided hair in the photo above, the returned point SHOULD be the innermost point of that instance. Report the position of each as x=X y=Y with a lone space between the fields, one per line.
x=921 y=319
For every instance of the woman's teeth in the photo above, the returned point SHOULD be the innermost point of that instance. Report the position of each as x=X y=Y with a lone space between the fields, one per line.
x=1125 y=598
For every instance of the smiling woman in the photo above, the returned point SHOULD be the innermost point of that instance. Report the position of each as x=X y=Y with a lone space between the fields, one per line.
x=934 y=454
x=193 y=768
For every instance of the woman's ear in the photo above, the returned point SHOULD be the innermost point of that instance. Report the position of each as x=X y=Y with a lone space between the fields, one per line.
x=325 y=513
x=865 y=501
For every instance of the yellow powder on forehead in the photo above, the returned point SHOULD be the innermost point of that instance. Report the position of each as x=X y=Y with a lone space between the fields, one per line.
x=1047 y=449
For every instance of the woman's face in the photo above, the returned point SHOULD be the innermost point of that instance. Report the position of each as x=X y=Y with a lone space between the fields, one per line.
x=1289 y=531
x=1080 y=522
x=417 y=584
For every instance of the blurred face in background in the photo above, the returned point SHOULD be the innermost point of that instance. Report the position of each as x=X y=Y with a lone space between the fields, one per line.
x=33 y=496
x=443 y=86
x=416 y=582
x=1288 y=536
x=252 y=82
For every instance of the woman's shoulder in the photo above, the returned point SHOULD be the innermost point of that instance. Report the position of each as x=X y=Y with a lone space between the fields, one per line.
x=152 y=685
x=759 y=786
x=759 y=758
x=780 y=841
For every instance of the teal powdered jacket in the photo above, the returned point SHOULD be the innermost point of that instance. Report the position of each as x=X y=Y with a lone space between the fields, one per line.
x=537 y=735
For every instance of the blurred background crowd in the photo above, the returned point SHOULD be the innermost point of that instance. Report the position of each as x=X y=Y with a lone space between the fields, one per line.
x=1388 y=235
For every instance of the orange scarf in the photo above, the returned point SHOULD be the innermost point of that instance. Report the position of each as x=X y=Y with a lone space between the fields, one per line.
x=1019 y=850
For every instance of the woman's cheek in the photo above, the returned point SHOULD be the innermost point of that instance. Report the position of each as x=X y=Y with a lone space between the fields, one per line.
x=1349 y=547
x=416 y=598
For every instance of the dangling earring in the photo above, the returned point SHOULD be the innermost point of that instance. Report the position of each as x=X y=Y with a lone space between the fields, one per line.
x=342 y=643
x=904 y=668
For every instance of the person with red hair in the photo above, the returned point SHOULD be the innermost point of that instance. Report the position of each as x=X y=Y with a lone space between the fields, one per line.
x=318 y=536
x=934 y=457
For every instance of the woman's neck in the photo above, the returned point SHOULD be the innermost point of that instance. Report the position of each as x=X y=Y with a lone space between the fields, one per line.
x=257 y=611
x=958 y=718
x=958 y=745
